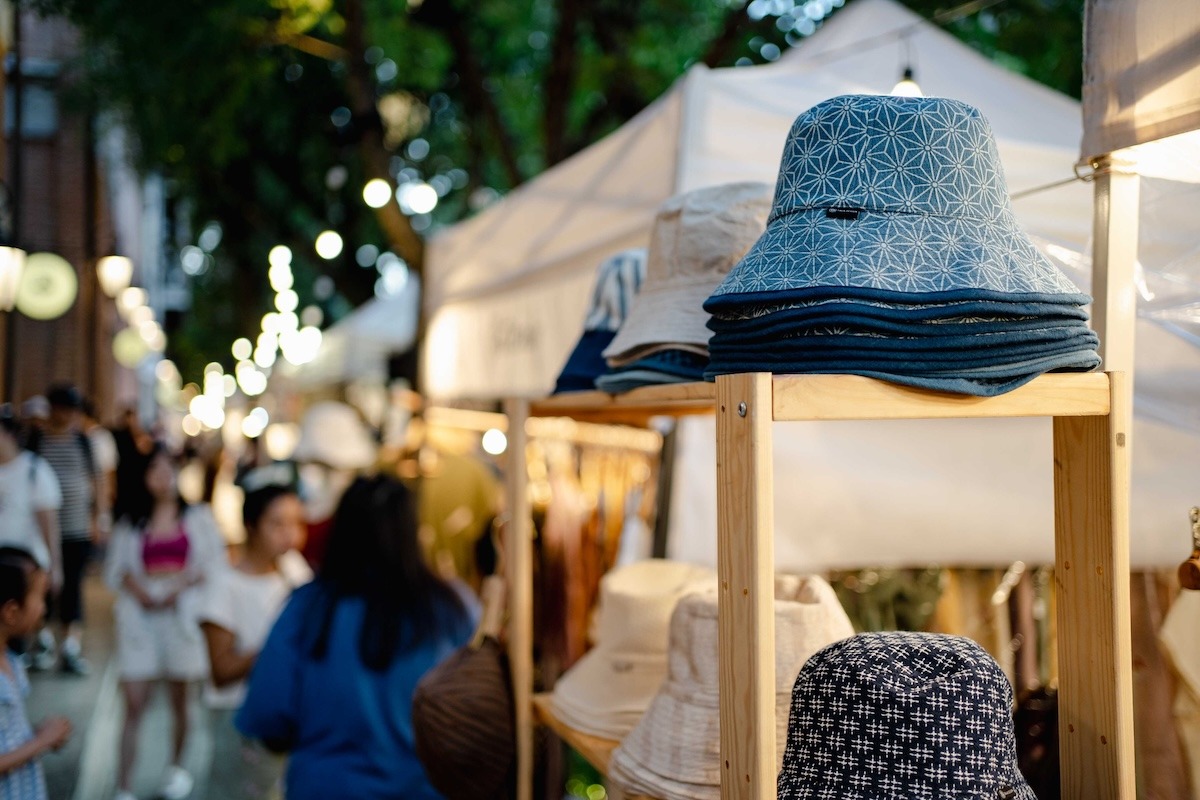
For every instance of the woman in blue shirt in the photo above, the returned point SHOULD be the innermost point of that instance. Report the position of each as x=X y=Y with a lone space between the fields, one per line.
x=333 y=685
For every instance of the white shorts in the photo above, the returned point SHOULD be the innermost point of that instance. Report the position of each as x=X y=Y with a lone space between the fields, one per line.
x=159 y=645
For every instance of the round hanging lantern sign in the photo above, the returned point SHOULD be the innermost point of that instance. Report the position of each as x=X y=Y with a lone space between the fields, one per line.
x=48 y=286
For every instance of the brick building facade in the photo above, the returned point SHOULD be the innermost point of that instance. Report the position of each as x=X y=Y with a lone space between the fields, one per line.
x=60 y=208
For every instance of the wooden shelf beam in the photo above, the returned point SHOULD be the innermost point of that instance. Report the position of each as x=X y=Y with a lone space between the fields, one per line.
x=846 y=397
x=853 y=397
x=595 y=751
x=674 y=400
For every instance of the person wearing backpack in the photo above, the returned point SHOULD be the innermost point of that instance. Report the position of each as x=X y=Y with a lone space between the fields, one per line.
x=29 y=502
x=84 y=516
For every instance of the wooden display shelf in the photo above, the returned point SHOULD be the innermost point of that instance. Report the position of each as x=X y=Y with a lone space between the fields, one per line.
x=846 y=397
x=853 y=397
x=1092 y=414
x=638 y=405
x=596 y=751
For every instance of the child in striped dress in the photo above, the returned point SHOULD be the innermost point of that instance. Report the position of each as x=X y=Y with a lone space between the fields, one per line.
x=22 y=604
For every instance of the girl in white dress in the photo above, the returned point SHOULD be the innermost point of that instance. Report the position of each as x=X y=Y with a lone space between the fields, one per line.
x=241 y=606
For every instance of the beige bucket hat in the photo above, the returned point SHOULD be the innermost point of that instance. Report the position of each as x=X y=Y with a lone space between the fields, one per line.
x=606 y=692
x=675 y=751
x=696 y=239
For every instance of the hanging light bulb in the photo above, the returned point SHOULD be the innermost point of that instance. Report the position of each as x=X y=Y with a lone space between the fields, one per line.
x=114 y=273
x=907 y=87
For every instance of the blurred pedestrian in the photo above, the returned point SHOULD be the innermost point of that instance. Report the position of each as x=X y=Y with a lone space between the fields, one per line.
x=29 y=503
x=35 y=412
x=242 y=603
x=334 y=683
x=160 y=557
x=133 y=446
x=23 y=585
x=84 y=516
x=335 y=446
x=104 y=451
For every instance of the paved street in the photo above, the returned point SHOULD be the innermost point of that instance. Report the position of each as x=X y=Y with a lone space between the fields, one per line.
x=86 y=768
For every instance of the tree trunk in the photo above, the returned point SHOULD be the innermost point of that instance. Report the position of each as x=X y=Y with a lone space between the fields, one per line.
x=396 y=226
x=560 y=81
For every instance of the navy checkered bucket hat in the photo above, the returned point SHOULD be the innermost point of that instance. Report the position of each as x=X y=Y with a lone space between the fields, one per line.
x=902 y=716
x=617 y=282
x=898 y=199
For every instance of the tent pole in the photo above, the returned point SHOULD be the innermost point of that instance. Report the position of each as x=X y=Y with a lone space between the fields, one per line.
x=518 y=547
x=1114 y=318
x=1114 y=261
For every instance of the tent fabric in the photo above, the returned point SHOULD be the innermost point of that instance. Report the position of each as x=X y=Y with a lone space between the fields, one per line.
x=507 y=289
x=1141 y=72
x=952 y=492
x=358 y=346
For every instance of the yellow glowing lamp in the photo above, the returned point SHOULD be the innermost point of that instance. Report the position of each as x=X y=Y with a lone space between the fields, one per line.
x=48 y=288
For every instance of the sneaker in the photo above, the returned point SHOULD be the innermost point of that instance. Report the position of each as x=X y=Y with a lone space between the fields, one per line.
x=41 y=655
x=41 y=661
x=74 y=664
x=177 y=784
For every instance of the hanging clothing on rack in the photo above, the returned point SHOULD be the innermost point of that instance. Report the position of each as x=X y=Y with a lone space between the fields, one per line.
x=458 y=499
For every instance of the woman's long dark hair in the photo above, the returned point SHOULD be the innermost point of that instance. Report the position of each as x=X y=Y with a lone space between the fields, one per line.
x=373 y=553
x=139 y=503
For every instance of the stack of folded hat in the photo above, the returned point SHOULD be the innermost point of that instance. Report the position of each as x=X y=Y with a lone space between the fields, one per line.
x=606 y=692
x=697 y=237
x=617 y=281
x=675 y=751
x=902 y=715
x=892 y=252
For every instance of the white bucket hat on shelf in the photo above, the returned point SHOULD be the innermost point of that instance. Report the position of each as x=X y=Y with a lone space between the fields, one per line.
x=675 y=751
x=606 y=692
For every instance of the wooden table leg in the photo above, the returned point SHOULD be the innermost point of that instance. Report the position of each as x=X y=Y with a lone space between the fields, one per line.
x=519 y=566
x=745 y=567
x=1091 y=489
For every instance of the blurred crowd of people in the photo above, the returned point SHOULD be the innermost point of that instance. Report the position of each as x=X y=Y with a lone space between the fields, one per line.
x=309 y=635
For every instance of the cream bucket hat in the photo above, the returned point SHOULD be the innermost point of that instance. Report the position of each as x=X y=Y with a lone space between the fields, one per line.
x=696 y=239
x=674 y=753
x=607 y=691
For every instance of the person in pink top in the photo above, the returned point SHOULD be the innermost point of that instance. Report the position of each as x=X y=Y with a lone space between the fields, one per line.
x=161 y=556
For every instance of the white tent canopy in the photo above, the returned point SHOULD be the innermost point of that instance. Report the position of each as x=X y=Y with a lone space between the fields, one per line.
x=358 y=346
x=508 y=289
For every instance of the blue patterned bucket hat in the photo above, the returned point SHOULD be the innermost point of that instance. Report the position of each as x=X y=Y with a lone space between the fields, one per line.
x=898 y=199
x=902 y=716
x=617 y=282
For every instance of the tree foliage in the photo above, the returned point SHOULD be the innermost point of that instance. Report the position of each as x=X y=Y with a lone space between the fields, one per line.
x=268 y=116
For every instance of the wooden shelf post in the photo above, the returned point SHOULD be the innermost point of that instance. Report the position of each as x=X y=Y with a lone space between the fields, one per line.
x=518 y=548
x=746 y=572
x=1091 y=511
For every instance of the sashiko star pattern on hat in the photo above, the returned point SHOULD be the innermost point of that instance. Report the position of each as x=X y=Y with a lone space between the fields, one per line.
x=891 y=220
x=902 y=716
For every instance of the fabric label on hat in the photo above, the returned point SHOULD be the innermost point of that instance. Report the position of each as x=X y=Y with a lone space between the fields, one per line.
x=841 y=212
